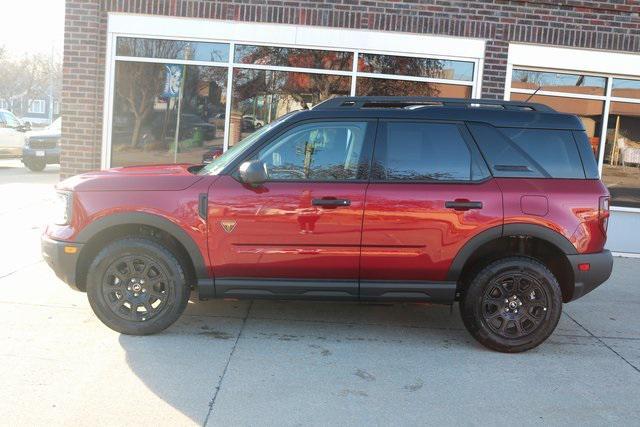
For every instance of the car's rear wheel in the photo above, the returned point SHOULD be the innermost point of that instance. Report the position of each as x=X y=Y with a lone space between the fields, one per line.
x=136 y=286
x=35 y=165
x=512 y=305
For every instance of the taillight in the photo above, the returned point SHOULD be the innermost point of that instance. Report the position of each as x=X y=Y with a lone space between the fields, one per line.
x=603 y=213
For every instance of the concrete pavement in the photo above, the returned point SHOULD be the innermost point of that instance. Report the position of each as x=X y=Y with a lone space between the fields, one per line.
x=295 y=363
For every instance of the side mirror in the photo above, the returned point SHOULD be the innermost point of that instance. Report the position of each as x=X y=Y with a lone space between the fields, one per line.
x=253 y=173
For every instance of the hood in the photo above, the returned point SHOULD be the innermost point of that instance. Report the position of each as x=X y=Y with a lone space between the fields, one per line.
x=172 y=177
x=43 y=134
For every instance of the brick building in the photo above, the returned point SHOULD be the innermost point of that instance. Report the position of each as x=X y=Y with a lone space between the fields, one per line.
x=148 y=81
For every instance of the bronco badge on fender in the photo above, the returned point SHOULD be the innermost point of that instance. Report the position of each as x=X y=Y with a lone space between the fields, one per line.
x=228 y=225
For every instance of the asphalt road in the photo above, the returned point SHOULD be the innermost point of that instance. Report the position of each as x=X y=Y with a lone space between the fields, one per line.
x=294 y=363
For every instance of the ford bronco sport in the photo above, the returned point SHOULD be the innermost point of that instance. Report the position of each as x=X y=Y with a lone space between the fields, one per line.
x=493 y=204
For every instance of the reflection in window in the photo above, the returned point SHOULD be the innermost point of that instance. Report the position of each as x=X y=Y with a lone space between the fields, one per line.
x=294 y=57
x=260 y=96
x=318 y=151
x=422 y=151
x=389 y=87
x=558 y=82
x=621 y=169
x=172 y=49
x=412 y=66
x=625 y=88
x=147 y=100
x=590 y=112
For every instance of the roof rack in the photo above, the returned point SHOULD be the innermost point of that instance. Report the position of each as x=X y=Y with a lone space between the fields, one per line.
x=413 y=102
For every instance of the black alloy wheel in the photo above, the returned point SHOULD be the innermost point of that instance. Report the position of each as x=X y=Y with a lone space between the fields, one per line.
x=512 y=305
x=137 y=286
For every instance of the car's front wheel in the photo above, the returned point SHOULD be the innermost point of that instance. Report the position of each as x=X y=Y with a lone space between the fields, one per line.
x=512 y=305
x=35 y=165
x=136 y=286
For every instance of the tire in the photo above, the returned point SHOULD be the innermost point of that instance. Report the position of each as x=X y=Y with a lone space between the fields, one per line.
x=35 y=165
x=144 y=301
x=512 y=305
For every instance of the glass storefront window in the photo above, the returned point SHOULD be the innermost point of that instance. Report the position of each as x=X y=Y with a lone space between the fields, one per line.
x=172 y=49
x=293 y=57
x=590 y=112
x=558 y=82
x=418 y=67
x=261 y=96
x=149 y=99
x=390 y=87
x=621 y=168
x=625 y=88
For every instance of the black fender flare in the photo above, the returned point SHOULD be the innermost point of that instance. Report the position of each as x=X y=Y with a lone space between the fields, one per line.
x=506 y=230
x=143 y=218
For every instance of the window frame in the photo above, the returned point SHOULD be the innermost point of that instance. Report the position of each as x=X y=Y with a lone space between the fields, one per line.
x=367 y=150
x=474 y=153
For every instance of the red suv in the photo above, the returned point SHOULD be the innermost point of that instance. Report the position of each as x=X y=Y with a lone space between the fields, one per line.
x=493 y=204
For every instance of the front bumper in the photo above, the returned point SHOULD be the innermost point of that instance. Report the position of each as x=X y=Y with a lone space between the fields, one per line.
x=62 y=257
x=600 y=266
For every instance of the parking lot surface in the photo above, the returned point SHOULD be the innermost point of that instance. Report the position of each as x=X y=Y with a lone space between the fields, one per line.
x=294 y=363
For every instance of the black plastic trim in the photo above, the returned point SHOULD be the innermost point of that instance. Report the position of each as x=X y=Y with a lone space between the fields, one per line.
x=141 y=218
x=63 y=264
x=540 y=232
x=469 y=248
x=601 y=264
x=203 y=201
x=389 y=290
x=286 y=288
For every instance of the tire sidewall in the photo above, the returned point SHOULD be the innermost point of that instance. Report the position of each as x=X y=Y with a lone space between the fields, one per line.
x=35 y=165
x=178 y=288
x=471 y=308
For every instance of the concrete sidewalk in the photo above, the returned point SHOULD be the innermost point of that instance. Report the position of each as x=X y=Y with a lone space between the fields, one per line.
x=297 y=363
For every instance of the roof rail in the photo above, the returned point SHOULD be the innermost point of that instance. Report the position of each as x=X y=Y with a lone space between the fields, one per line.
x=357 y=102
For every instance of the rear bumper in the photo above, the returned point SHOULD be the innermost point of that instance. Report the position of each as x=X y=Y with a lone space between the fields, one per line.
x=60 y=260
x=50 y=155
x=600 y=266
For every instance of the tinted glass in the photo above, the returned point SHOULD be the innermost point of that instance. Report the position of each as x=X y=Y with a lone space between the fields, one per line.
x=621 y=166
x=419 y=67
x=410 y=151
x=294 y=57
x=558 y=82
x=172 y=49
x=390 y=87
x=505 y=159
x=318 y=151
x=626 y=88
x=261 y=96
x=554 y=150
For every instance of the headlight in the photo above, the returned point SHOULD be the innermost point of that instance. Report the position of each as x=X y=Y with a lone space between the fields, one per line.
x=62 y=211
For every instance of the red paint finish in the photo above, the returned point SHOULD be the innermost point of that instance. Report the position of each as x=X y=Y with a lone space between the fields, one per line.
x=279 y=233
x=170 y=192
x=409 y=234
x=572 y=211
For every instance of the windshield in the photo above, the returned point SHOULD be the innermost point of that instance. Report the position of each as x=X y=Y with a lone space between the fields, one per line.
x=216 y=166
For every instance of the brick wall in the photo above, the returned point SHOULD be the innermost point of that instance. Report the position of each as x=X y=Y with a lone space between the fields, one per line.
x=605 y=25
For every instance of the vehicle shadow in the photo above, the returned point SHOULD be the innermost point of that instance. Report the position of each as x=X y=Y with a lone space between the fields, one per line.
x=184 y=364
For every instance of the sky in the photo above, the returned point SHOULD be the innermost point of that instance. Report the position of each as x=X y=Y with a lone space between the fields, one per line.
x=32 y=26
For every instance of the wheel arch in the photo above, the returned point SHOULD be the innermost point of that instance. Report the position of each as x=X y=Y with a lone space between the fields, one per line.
x=111 y=227
x=538 y=242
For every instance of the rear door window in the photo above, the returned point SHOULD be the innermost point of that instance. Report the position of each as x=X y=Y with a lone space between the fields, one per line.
x=422 y=151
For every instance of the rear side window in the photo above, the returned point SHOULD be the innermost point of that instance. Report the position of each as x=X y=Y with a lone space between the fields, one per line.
x=554 y=150
x=505 y=159
x=421 y=151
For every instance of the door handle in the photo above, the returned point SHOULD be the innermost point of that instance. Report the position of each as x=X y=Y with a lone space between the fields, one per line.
x=331 y=203
x=462 y=205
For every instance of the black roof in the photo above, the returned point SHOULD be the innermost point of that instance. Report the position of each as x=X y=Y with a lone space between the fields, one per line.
x=495 y=112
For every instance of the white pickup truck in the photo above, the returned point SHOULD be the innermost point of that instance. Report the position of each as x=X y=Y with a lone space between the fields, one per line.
x=11 y=135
